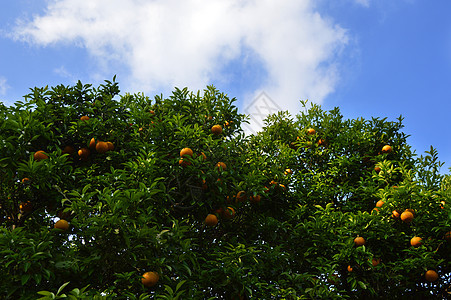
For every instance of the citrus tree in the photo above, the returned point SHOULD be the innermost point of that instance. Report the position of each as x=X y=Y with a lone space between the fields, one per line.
x=108 y=196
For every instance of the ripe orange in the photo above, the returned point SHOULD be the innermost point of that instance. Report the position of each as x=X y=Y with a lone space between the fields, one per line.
x=288 y=171
x=221 y=166
x=24 y=180
x=442 y=204
x=322 y=143
x=38 y=155
x=448 y=236
x=411 y=210
x=255 y=199
x=84 y=118
x=387 y=149
x=62 y=224
x=375 y=210
x=216 y=129
x=186 y=152
x=349 y=268
x=204 y=157
x=149 y=279
x=431 y=275
x=375 y=261
x=359 y=241
x=380 y=203
x=101 y=147
x=184 y=162
x=241 y=196
x=84 y=153
x=228 y=213
x=377 y=169
x=92 y=143
x=395 y=214
x=68 y=150
x=110 y=146
x=211 y=220
x=407 y=217
x=311 y=131
x=416 y=241
x=26 y=206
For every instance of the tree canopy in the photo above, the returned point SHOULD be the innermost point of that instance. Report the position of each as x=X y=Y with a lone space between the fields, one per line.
x=109 y=196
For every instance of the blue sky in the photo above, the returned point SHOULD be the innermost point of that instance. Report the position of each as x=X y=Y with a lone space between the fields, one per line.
x=376 y=58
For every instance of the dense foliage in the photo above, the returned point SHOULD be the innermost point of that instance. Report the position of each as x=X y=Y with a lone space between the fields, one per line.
x=284 y=208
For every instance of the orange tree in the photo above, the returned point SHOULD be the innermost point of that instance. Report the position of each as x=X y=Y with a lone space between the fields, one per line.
x=113 y=208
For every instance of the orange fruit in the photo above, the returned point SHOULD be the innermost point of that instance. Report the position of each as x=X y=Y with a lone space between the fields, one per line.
x=431 y=275
x=68 y=150
x=349 y=268
x=204 y=157
x=387 y=149
x=311 y=131
x=255 y=199
x=322 y=143
x=241 y=196
x=375 y=210
x=377 y=169
x=375 y=261
x=407 y=216
x=395 y=214
x=152 y=112
x=228 y=213
x=380 y=203
x=149 y=279
x=101 y=147
x=110 y=146
x=62 y=224
x=221 y=166
x=84 y=153
x=26 y=206
x=288 y=171
x=24 y=180
x=211 y=220
x=448 y=236
x=186 y=152
x=92 y=143
x=416 y=241
x=359 y=241
x=184 y=163
x=38 y=155
x=84 y=118
x=216 y=129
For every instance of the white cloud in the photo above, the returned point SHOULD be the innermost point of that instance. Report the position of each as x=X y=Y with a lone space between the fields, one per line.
x=190 y=43
x=365 y=3
x=3 y=86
